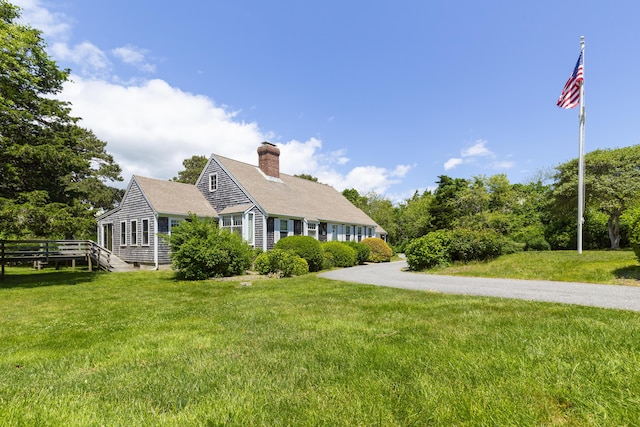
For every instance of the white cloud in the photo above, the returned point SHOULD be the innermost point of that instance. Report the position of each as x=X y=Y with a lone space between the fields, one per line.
x=372 y=178
x=150 y=127
x=306 y=157
x=53 y=25
x=505 y=164
x=478 y=149
x=135 y=56
x=471 y=154
x=367 y=178
x=343 y=160
x=300 y=157
x=90 y=60
x=401 y=170
x=452 y=163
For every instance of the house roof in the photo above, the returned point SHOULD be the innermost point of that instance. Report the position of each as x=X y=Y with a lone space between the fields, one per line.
x=176 y=198
x=295 y=197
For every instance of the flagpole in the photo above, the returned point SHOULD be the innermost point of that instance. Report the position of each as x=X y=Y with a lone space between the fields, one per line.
x=581 y=116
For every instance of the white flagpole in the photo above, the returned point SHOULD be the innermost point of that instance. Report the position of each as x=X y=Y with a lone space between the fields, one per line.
x=581 y=116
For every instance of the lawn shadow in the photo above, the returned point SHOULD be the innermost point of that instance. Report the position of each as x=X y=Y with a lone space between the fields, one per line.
x=628 y=273
x=27 y=277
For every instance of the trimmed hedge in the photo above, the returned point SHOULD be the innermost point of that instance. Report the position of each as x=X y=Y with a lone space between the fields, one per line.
x=305 y=247
x=342 y=255
x=285 y=263
x=362 y=251
x=380 y=250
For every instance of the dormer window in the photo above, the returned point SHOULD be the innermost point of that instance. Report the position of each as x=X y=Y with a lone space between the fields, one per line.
x=213 y=182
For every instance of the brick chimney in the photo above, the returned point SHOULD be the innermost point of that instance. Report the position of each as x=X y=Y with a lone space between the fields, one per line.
x=269 y=159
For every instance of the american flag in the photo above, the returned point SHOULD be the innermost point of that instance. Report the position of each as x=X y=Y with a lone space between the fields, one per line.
x=570 y=96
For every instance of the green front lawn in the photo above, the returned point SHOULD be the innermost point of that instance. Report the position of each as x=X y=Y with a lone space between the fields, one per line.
x=143 y=349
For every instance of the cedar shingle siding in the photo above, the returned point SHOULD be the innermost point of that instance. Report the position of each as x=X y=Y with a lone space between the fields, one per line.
x=242 y=191
x=134 y=207
x=151 y=200
x=228 y=192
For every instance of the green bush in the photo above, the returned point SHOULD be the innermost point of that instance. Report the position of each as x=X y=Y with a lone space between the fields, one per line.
x=380 y=250
x=199 y=250
x=285 y=263
x=305 y=247
x=532 y=237
x=537 y=243
x=428 y=251
x=262 y=263
x=462 y=245
x=474 y=245
x=342 y=254
x=362 y=251
x=327 y=260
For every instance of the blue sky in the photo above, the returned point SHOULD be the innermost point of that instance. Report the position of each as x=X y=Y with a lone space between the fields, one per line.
x=380 y=96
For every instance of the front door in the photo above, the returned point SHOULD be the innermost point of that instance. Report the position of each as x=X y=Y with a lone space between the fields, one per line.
x=323 y=232
x=107 y=236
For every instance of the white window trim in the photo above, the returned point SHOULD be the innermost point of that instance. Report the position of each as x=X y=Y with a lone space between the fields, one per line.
x=133 y=235
x=249 y=228
x=123 y=233
x=277 y=230
x=148 y=232
x=311 y=228
x=233 y=222
x=178 y=220
x=213 y=182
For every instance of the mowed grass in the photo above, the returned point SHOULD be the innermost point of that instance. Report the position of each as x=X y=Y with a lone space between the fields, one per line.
x=607 y=267
x=142 y=349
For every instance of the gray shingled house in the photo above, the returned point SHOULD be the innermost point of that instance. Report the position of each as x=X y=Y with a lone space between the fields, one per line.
x=257 y=202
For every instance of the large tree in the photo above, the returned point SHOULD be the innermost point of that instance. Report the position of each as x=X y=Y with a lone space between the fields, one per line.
x=612 y=184
x=414 y=219
x=447 y=203
x=51 y=168
x=192 y=169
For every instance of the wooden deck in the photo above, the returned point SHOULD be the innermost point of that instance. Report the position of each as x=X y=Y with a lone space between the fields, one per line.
x=44 y=252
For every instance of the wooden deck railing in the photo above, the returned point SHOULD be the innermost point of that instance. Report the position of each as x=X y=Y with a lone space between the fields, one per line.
x=43 y=252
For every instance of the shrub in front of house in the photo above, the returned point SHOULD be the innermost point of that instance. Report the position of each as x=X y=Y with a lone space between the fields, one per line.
x=284 y=263
x=305 y=247
x=342 y=255
x=200 y=250
x=362 y=251
x=327 y=260
x=380 y=250
x=428 y=251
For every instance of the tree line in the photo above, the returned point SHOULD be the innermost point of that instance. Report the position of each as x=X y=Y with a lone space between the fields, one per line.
x=541 y=214
x=56 y=176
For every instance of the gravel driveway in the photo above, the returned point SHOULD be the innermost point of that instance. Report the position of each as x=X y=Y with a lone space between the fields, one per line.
x=394 y=274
